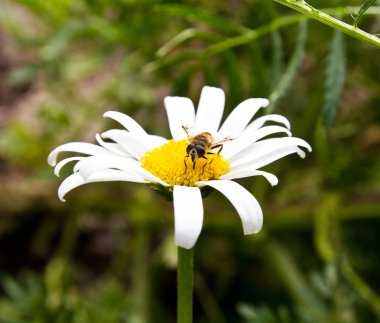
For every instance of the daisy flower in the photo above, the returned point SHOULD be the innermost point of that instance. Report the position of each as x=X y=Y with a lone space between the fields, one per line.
x=169 y=166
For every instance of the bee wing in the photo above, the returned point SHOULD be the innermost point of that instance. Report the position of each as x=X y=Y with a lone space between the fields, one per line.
x=218 y=142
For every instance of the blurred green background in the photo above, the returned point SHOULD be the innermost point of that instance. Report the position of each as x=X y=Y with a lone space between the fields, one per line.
x=107 y=254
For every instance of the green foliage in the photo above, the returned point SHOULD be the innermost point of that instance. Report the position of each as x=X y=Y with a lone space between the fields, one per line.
x=335 y=77
x=363 y=8
x=19 y=143
x=263 y=314
x=28 y=301
x=308 y=10
x=288 y=76
x=107 y=254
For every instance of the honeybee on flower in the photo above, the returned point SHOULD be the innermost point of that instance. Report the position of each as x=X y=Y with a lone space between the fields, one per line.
x=201 y=145
x=238 y=148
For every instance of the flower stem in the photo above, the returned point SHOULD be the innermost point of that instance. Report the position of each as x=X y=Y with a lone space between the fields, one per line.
x=185 y=285
x=306 y=9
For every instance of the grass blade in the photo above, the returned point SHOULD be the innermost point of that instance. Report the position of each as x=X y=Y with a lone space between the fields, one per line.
x=277 y=60
x=291 y=69
x=336 y=71
x=201 y=15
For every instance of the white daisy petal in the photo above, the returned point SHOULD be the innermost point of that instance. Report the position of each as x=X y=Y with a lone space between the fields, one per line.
x=248 y=138
x=180 y=113
x=268 y=158
x=259 y=122
x=116 y=148
x=267 y=147
x=241 y=116
x=188 y=220
x=134 y=145
x=127 y=122
x=93 y=165
x=133 y=127
x=78 y=147
x=70 y=183
x=75 y=180
x=63 y=162
x=244 y=202
x=248 y=172
x=158 y=140
x=114 y=175
x=149 y=177
x=210 y=110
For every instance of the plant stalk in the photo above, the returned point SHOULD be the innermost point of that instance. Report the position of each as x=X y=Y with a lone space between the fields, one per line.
x=185 y=285
x=306 y=9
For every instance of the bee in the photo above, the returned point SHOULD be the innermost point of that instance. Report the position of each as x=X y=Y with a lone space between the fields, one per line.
x=201 y=145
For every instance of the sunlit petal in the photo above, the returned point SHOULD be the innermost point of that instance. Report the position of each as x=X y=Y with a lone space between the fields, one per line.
x=158 y=140
x=269 y=147
x=210 y=110
x=248 y=138
x=115 y=148
x=244 y=202
x=92 y=165
x=75 y=180
x=77 y=147
x=70 y=183
x=180 y=113
x=239 y=118
x=63 y=162
x=114 y=175
x=188 y=215
x=130 y=143
x=259 y=122
x=268 y=158
x=248 y=172
x=127 y=122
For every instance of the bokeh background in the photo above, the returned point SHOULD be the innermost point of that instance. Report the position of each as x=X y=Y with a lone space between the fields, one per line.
x=107 y=254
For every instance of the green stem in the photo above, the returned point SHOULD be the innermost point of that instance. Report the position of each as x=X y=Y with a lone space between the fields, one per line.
x=247 y=36
x=140 y=274
x=316 y=14
x=185 y=285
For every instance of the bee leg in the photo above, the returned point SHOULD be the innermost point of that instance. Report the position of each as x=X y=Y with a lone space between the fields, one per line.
x=194 y=164
x=184 y=161
x=203 y=168
x=210 y=153
x=220 y=146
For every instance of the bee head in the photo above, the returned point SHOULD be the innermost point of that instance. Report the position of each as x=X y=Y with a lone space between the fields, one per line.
x=192 y=152
x=193 y=155
x=195 y=152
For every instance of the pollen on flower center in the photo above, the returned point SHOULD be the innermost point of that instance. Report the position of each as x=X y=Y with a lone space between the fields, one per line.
x=167 y=162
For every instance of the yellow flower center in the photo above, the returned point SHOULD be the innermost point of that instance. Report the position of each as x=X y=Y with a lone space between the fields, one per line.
x=167 y=162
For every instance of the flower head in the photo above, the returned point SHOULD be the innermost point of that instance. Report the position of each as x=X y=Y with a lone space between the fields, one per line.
x=202 y=153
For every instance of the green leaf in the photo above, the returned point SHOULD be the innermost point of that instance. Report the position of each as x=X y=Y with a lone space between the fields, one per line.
x=291 y=70
x=336 y=72
x=364 y=7
x=277 y=60
x=182 y=37
x=325 y=227
x=200 y=15
x=235 y=82
x=22 y=75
